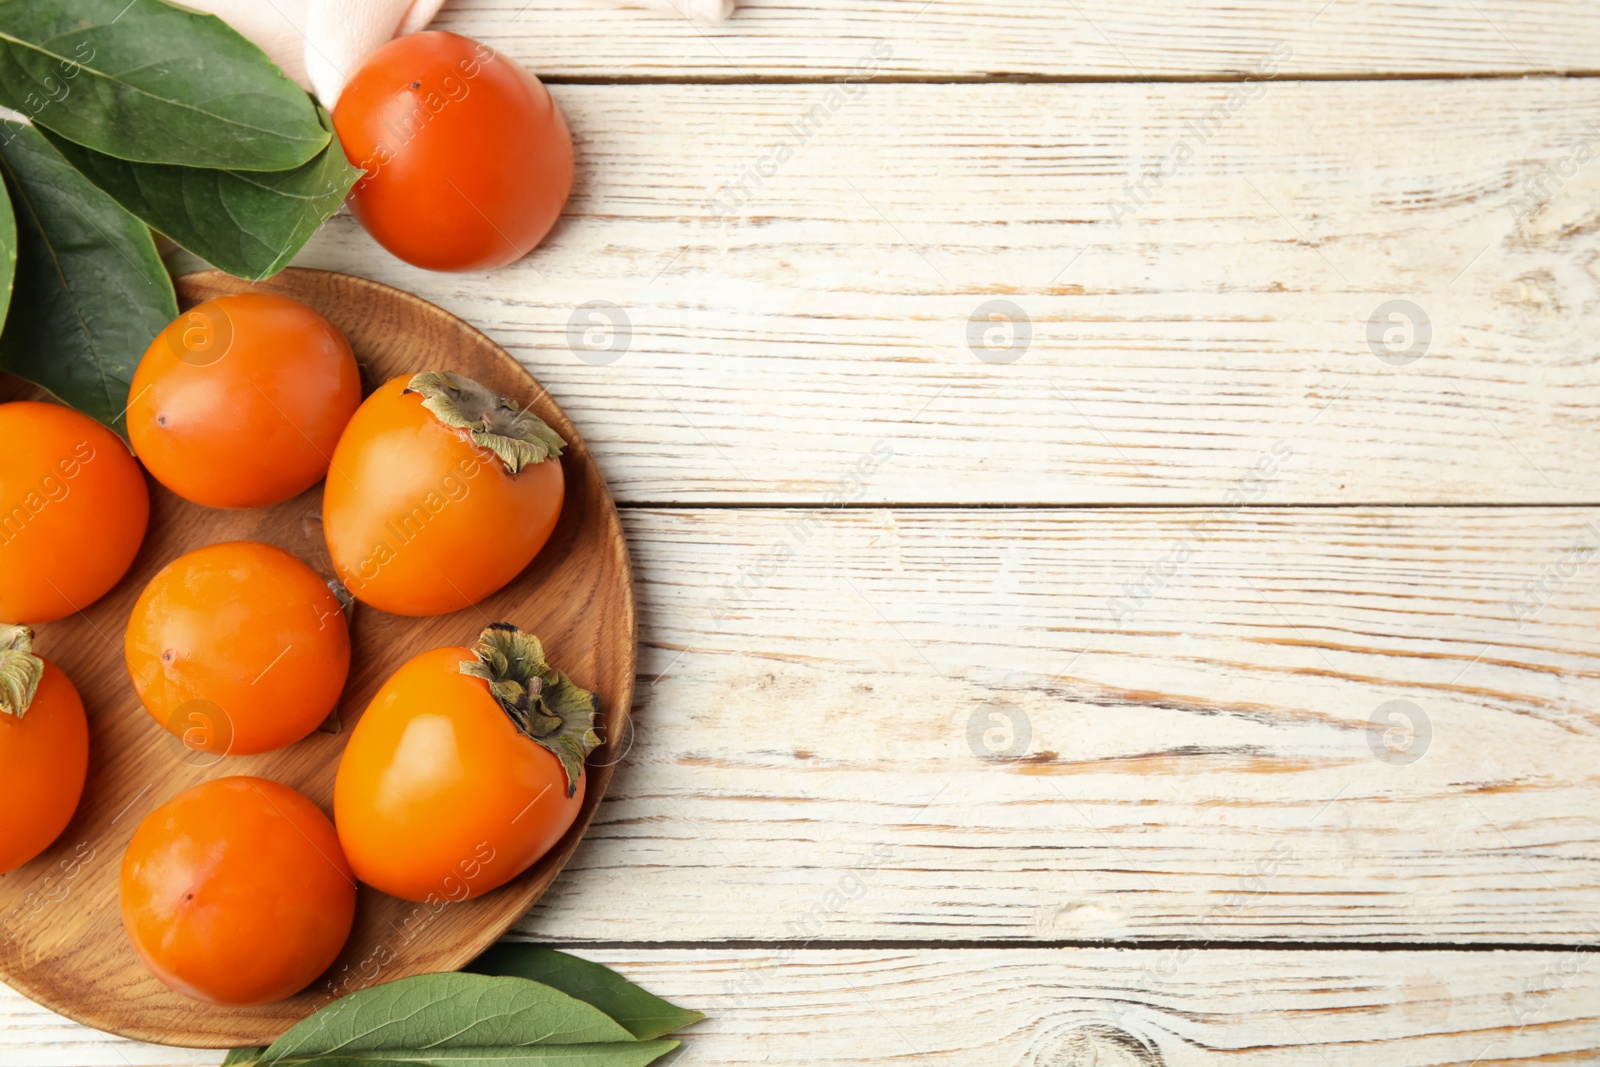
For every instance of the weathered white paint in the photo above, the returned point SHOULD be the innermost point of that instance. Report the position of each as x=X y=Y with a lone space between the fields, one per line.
x=1206 y=768
x=1171 y=348
x=1127 y=39
x=1056 y=1008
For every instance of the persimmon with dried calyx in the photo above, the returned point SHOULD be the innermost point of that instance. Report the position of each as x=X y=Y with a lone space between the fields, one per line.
x=465 y=769
x=446 y=491
x=238 y=648
x=44 y=749
x=239 y=401
x=235 y=892
x=73 y=511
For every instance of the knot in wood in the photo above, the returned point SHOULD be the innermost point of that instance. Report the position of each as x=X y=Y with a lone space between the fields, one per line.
x=1097 y=1045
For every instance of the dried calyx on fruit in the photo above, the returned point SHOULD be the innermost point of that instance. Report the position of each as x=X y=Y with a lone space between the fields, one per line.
x=542 y=702
x=20 y=670
x=516 y=435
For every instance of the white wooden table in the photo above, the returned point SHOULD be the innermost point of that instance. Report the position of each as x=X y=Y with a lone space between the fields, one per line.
x=1204 y=669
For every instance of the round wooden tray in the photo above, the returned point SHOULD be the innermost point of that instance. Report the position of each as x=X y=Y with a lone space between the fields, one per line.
x=61 y=937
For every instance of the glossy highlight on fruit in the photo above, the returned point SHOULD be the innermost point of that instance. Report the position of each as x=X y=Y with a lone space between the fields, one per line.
x=239 y=648
x=468 y=159
x=445 y=493
x=73 y=511
x=239 y=402
x=44 y=749
x=235 y=892
x=447 y=790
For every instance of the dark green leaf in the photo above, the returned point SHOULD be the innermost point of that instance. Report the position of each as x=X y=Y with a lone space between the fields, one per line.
x=605 y=1054
x=249 y=223
x=8 y=251
x=90 y=291
x=242 y=1056
x=444 y=1011
x=153 y=82
x=645 y=1015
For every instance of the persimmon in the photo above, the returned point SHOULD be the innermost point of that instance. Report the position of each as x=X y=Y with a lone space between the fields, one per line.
x=465 y=769
x=238 y=648
x=235 y=892
x=445 y=492
x=468 y=161
x=44 y=749
x=73 y=511
x=239 y=401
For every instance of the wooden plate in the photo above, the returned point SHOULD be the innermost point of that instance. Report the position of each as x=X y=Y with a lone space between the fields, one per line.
x=61 y=937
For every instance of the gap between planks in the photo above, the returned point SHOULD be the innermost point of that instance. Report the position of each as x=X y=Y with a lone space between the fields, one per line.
x=1098 y=505
x=1222 y=78
x=911 y=945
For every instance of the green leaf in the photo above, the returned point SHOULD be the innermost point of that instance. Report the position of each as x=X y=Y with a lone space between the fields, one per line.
x=8 y=251
x=432 y=1012
x=645 y=1015
x=152 y=82
x=90 y=292
x=604 y=1054
x=249 y=223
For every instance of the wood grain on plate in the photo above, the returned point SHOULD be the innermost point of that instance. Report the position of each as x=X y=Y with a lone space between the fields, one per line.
x=1171 y=349
x=61 y=937
x=1128 y=39
x=807 y=713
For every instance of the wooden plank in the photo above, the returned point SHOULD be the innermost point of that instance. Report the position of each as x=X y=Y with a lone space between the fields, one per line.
x=1048 y=1008
x=932 y=725
x=33 y=1036
x=1090 y=38
x=1182 y=329
x=1055 y=1007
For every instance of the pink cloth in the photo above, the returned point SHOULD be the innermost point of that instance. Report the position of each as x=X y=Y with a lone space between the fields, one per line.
x=319 y=43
